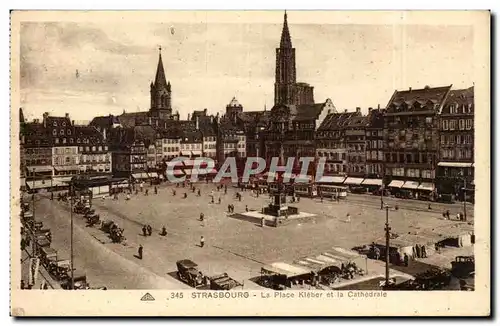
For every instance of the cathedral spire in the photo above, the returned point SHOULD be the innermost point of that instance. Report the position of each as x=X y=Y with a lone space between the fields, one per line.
x=286 y=41
x=160 y=80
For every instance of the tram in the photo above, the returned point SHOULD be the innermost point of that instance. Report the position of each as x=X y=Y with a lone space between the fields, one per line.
x=333 y=191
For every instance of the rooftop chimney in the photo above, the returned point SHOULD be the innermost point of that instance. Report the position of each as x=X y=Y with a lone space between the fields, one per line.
x=329 y=111
x=189 y=116
x=72 y=122
x=205 y=111
x=345 y=110
x=358 y=109
x=370 y=110
x=66 y=115
x=410 y=89
x=378 y=106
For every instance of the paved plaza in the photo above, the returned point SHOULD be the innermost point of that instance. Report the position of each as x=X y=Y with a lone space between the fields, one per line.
x=235 y=246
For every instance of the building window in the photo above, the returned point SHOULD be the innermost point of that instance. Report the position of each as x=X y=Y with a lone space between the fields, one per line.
x=445 y=124
x=453 y=109
x=87 y=148
x=461 y=124
x=468 y=124
x=55 y=124
x=452 y=124
x=428 y=120
x=64 y=140
x=93 y=148
x=105 y=148
x=68 y=132
x=54 y=132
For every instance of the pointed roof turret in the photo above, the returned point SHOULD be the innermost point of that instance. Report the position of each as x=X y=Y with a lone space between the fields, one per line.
x=286 y=41
x=21 y=115
x=160 y=79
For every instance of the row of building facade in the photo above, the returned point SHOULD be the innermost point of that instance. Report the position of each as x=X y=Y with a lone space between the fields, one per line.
x=423 y=135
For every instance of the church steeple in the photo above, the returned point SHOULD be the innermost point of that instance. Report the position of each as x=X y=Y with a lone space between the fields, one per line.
x=286 y=41
x=160 y=80
x=285 y=75
x=161 y=93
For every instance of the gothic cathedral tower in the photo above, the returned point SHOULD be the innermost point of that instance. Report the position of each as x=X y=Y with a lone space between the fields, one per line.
x=161 y=94
x=284 y=85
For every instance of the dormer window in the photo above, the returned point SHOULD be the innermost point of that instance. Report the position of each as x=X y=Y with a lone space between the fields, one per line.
x=78 y=140
x=64 y=124
x=64 y=140
x=54 y=132
x=61 y=132
x=55 y=124
x=71 y=140
x=68 y=132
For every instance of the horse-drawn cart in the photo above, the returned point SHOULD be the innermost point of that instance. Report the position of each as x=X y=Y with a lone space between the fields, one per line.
x=114 y=231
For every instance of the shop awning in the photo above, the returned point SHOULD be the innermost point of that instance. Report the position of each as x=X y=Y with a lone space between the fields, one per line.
x=290 y=270
x=196 y=153
x=396 y=183
x=67 y=168
x=410 y=185
x=175 y=172
x=353 y=181
x=141 y=175
x=455 y=164
x=40 y=168
x=186 y=153
x=38 y=184
x=332 y=179
x=153 y=175
x=429 y=186
x=372 y=182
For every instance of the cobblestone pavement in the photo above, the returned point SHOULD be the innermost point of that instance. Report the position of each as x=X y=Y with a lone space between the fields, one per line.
x=241 y=247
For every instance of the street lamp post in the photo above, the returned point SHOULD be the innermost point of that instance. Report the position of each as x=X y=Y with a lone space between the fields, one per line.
x=71 y=234
x=387 y=244
x=465 y=201
x=33 y=231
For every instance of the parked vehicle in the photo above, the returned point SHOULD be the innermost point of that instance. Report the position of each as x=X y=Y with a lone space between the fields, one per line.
x=223 y=282
x=47 y=256
x=188 y=272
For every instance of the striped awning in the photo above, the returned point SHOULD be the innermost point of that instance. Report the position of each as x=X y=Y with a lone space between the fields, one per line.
x=410 y=185
x=353 y=181
x=372 y=182
x=153 y=175
x=38 y=184
x=67 y=168
x=396 y=183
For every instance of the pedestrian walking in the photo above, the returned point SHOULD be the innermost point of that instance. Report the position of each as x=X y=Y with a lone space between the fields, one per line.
x=212 y=200
x=140 y=251
x=246 y=208
x=262 y=222
x=229 y=208
x=406 y=260
x=202 y=241
x=150 y=230
x=424 y=253
x=202 y=216
x=219 y=200
x=185 y=195
x=199 y=192
x=147 y=192
x=144 y=230
x=163 y=231
x=348 y=217
x=23 y=285
x=156 y=191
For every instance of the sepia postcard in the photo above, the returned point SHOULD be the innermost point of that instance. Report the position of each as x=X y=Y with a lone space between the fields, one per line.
x=250 y=163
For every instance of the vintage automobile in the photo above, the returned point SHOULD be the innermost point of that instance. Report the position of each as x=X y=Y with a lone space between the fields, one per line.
x=48 y=255
x=79 y=281
x=188 y=272
x=223 y=282
x=60 y=268
x=92 y=219
x=462 y=266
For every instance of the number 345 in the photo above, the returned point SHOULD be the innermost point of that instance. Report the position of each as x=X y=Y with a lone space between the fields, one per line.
x=176 y=295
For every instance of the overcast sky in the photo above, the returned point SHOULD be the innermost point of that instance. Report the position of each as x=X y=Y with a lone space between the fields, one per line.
x=208 y=64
